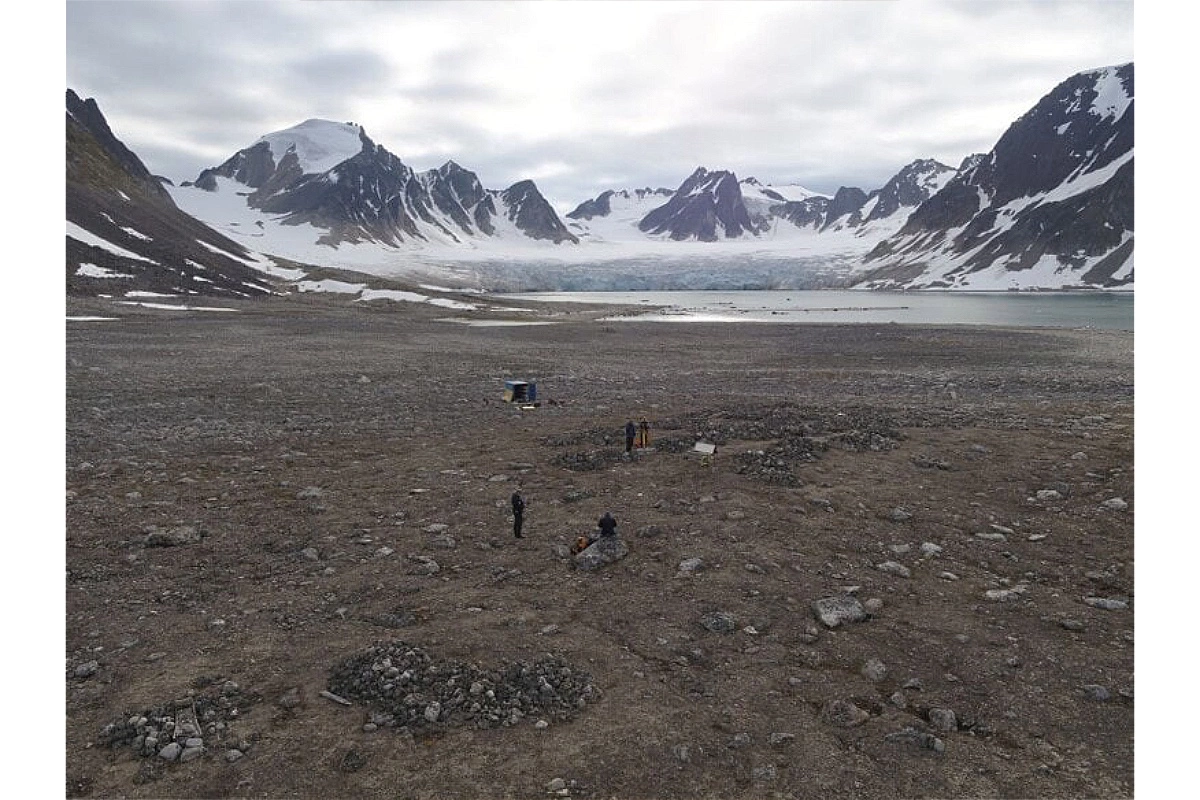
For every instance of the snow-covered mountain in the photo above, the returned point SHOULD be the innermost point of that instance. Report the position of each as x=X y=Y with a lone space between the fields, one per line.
x=323 y=188
x=124 y=234
x=1051 y=206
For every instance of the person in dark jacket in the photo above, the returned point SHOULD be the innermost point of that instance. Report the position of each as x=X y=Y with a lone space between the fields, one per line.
x=608 y=525
x=518 y=510
x=630 y=433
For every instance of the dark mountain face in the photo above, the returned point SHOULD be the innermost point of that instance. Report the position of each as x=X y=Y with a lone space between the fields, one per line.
x=532 y=215
x=707 y=206
x=152 y=245
x=1058 y=184
x=845 y=207
x=807 y=213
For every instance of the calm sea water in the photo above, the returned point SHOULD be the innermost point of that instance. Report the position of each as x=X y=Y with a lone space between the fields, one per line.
x=1107 y=310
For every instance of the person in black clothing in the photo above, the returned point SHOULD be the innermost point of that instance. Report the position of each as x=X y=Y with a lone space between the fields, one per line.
x=608 y=525
x=630 y=433
x=518 y=509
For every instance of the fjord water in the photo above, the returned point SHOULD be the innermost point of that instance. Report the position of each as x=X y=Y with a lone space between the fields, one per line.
x=1105 y=310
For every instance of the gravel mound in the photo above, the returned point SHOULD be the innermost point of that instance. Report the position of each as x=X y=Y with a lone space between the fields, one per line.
x=181 y=729
x=405 y=687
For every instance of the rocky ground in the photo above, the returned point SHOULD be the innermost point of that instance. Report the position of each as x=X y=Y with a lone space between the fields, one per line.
x=907 y=571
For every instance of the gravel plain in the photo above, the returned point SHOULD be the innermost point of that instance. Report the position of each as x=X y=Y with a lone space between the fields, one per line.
x=907 y=571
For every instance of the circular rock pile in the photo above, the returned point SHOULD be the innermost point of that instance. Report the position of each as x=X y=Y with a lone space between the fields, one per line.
x=405 y=687
x=183 y=729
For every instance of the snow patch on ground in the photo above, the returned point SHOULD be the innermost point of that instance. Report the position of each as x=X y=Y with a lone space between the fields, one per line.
x=87 y=237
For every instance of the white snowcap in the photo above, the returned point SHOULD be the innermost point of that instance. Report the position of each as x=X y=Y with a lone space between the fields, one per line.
x=319 y=144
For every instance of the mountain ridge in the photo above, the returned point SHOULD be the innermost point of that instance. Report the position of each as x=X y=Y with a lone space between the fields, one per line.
x=1050 y=206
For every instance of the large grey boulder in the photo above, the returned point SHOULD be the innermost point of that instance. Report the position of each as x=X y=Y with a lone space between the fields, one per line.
x=605 y=550
x=833 y=611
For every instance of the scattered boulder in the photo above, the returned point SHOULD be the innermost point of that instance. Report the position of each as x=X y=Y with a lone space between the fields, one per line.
x=916 y=738
x=605 y=550
x=719 y=622
x=834 y=611
x=184 y=534
x=894 y=568
x=843 y=714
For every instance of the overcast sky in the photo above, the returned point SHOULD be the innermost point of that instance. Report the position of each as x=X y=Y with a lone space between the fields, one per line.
x=587 y=96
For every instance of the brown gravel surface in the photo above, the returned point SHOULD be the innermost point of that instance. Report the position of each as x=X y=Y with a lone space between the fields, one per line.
x=338 y=475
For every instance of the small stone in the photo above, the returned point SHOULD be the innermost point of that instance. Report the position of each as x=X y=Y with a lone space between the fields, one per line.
x=874 y=670
x=310 y=554
x=690 y=565
x=929 y=549
x=190 y=753
x=917 y=738
x=764 y=774
x=290 y=699
x=1048 y=495
x=843 y=714
x=434 y=710
x=1095 y=691
x=555 y=785
x=898 y=699
x=809 y=634
x=947 y=576
x=1106 y=603
x=943 y=719
x=1115 y=504
x=900 y=514
x=170 y=752
x=873 y=605
x=781 y=738
x=894 y=568
x=541 y=724
x=87 y=669
x=719 y=622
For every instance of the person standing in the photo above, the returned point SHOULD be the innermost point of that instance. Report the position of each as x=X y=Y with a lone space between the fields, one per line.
x=630 y=433
x=518 y=510
x=644 y=433
x=607 y=525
